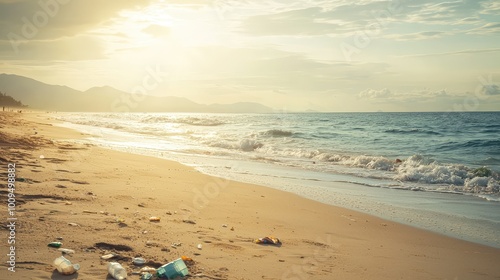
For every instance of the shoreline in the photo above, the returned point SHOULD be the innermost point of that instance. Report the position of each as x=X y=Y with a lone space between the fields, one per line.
x=319 y=240
x=467 y=218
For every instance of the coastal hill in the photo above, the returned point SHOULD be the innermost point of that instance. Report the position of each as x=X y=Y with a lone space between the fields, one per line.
x=8 y=101
x=38 y=95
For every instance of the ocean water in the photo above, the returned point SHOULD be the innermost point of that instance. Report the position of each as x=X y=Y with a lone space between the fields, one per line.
x=431 y=170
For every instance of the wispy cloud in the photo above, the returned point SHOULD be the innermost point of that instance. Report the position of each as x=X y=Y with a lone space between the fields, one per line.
x=462 y=52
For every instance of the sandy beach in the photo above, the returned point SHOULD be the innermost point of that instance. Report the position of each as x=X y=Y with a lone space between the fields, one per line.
x=97 y=201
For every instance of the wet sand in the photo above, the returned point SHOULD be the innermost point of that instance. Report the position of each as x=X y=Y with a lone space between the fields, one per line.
x=99 y=201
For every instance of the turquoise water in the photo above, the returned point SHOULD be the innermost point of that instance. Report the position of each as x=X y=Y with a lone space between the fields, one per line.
x=432 y=170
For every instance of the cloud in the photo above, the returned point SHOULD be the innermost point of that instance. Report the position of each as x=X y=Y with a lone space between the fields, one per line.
x=52 y=19
x=489 y=28
x=443 y=13
x=297 y=22
x=463 y=52
x=373 y=94
x=418 y=36
x=67 y=49
x=157 y=30
x=414 y=95
x=491 y=89
x=492 y=7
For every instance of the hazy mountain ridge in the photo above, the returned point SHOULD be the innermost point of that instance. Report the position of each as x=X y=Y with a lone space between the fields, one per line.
x=38 y=95
x=8 y=101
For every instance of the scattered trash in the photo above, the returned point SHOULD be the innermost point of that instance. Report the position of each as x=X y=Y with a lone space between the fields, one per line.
x=141 y=205
x=268 y=240
x=154 y=219
x=104 y=212
x=148 y=269
x=186 y=259
x=224 y=225
x=173 y=270
x=189 y=222
x=175 y=245
x=120 y=220
x=144 y=232
x=55 y=244
x=74 y=224
x=59 y=238
x=169 y=213
x=42 y=156
x=138 y=261
x=199 y=246
x=66 y=251
x=117 y=271
x=109 y=256
x=68 y=203
x=89 y=212
x=65 y=267
x=146 y=276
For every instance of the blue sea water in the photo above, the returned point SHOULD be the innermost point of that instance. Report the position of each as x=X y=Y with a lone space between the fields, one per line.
x=430 y=167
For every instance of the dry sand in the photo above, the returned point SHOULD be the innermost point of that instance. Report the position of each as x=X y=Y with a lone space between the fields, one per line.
x=73 y=183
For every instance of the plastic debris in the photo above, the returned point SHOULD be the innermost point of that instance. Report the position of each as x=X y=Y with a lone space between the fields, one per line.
x=268 y=240
x=66 y=251
x=138 y=261
x=154 y=219
x=173 y=270
x=73 y=224
x=117 y=271
x=146 y=276
x=148 y=269
x=189 y=222
x=109 y=256
x=55 y=244
x=65 y=267
x=199 y=246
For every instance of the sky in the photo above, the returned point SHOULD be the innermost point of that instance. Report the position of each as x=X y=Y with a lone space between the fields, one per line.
x=322 y=55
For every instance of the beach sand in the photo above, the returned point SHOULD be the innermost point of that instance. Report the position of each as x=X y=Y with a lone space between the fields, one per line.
x=61 y=182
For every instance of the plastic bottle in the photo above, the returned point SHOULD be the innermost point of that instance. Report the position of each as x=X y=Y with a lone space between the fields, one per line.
x=65 y=267
x=117 y=271
x=55 y=244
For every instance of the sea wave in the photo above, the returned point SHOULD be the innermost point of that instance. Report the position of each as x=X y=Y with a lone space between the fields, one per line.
x=412 y=131
x=246 y=145
x=195 y=121
x=277 y=133
x=476 y=143
x=415 y=169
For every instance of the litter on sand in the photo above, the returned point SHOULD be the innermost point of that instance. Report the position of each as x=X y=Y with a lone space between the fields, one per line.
x=268 y=240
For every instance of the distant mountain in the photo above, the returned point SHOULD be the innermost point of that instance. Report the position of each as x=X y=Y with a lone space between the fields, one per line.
x=8 y=101
x=38 y=95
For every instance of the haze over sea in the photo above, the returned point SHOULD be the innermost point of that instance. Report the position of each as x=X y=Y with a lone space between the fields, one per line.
x=438 y=171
